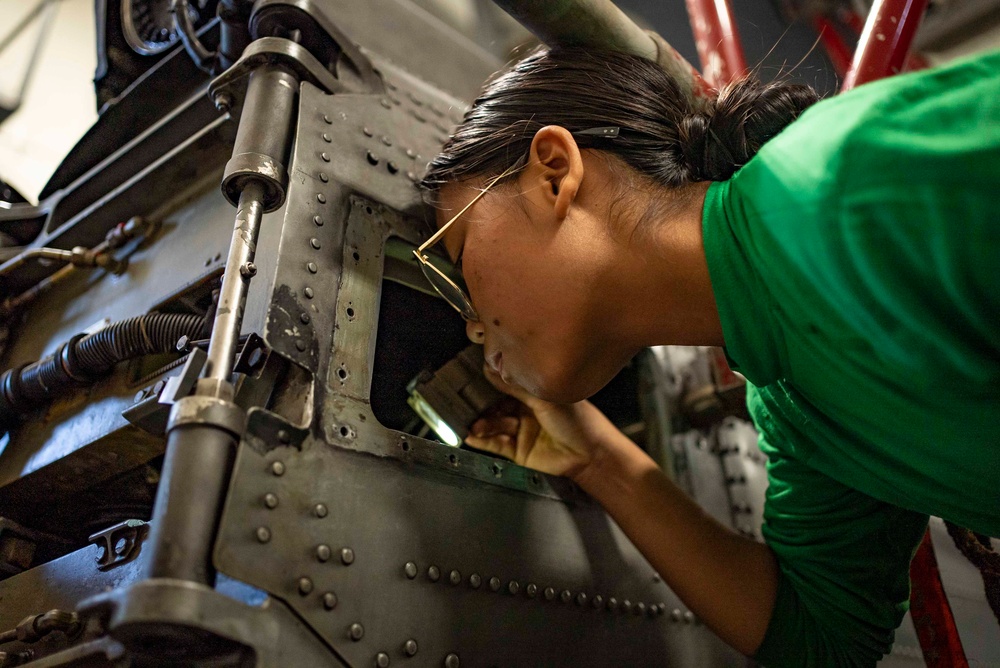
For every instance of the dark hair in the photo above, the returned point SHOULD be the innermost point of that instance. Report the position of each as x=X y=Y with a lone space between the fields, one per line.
x=664 y=135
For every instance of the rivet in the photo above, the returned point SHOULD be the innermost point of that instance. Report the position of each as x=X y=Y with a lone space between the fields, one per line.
x=412 y=176
x=300 y=345
x=385 y=103
x=531 y=590
x=433 y=573
x=549 y=593
x=495 y=583
x=263 y=534
x=451 y=661
x=278 y=468
x=320 y=510
x=356 y=632
x=308 y=292
x=346 y=556
x=392 y=167
x=656 y=577
x=326 y=119
x=410 y=153
x=314 y=242
x=323 y=177
x=318 y=220
x=455 y=577
x=327 y=138
x=627 y=605
x=513 y=587
x=270 y=500
x=305 y=318
x=581 y=599
x=284 y=437
x=475 y=581
x=305 y=586
x=613 y=604
x=420 y=117
x=566 y=596
x=640 y=608
x=321 y=198
x=410 y=569
x=372 y=158
x=675 y=615
x=597 y=602
x=382 y=660
x=368 y=133
x=410 y=647
x=652 y=610
x=323 y=552
x=688 y=617
x=386 y=141
x=662 y=607
x=325 y=156
x=329 y=600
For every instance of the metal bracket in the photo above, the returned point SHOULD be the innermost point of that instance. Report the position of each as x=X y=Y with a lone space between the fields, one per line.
x=119 y=543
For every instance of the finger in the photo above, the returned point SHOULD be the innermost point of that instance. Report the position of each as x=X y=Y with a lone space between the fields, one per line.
x=495 y=425
x=503 y=444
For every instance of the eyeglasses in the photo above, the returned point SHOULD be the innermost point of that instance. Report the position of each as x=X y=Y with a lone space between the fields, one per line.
x=449 y=290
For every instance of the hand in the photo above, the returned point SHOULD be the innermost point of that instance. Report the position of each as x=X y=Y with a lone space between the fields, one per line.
x=559 y=439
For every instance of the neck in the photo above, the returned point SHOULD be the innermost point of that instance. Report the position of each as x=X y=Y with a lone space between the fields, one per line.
x=665 y=276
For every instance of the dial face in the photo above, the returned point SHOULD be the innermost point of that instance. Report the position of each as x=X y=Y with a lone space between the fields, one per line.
x=149 y=26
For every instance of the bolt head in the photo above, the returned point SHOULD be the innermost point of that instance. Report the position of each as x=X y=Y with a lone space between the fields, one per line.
x=531 y=590
x=183 y=343
x=513 y=587
x=249 y=269
x=223 y=102
x=566 y=596
x=475 y=581
x=455 y=577
x=549 y=593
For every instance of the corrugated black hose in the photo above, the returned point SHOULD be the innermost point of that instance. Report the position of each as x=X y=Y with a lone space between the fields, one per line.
x=85 y=358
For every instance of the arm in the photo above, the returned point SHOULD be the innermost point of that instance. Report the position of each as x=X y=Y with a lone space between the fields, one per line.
x=727 y=580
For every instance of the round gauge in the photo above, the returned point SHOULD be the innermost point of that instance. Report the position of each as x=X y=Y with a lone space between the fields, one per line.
x=148 y=25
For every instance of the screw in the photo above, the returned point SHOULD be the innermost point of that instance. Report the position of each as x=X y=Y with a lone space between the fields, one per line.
x=513 y=587
x=270 y=500
x=356 y=632
x=455 y=577
x=347 y=556
x=451 y=661
x=410 y=647
x=495 y=583
x=433 y=573
x=329 y=600
x=182 y=344
x=531 y=590
x=323 y=553
x=319 y=510
x=305 y=586
x=223 y=102
x=278 y=468
x=566 y=596
x=549 y=593
x=475 y=581
x=248 y=270
x=410 y=569
x=382 y=660
x=263 y=534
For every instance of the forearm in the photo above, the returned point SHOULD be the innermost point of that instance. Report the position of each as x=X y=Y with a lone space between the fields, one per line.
x=729 y=581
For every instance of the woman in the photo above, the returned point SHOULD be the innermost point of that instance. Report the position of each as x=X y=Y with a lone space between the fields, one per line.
x=848 y=267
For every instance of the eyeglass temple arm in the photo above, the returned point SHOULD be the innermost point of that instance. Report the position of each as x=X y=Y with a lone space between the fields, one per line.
x=444 y=228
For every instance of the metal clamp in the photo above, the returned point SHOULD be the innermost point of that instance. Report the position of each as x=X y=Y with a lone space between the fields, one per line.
x=119 y=543
x=202 y=410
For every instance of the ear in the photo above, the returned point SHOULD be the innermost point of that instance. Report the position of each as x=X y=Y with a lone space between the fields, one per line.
x=555 y=168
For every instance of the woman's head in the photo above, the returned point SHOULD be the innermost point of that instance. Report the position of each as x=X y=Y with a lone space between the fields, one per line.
x=539 y=251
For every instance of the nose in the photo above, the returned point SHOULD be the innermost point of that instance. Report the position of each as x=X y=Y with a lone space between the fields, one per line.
x=475 y=331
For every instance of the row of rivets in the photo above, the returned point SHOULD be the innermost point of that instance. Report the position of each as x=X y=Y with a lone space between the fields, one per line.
x=598 y=601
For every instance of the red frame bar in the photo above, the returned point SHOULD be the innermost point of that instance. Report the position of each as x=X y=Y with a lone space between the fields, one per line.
x=885 y=40
x=931 y=612
x=840 y=54
x=717 y=40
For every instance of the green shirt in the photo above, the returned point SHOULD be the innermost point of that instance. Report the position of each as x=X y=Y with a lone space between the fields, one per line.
x=856 y=266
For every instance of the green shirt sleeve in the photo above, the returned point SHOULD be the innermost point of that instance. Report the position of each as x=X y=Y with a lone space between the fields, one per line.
x=844 y=564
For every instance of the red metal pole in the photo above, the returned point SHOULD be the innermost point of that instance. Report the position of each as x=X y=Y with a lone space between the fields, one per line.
x=885 y=40
x=931 y=613
x=718 y=41
x=836 y=48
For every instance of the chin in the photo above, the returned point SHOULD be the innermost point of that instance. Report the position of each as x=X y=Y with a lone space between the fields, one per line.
x=568 y=390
